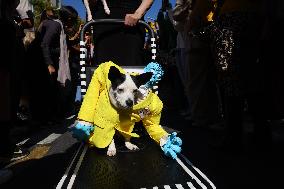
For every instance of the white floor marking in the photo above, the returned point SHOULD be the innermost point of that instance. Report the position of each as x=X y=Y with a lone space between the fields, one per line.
x=190 y=185
x=22 y=142
x=167 y=187
x=59 y=185
x=204 y=176
x=155 y=187
x=70 y=117
x=52 y=137
x=179 y=186
x=71 y=182
x=199 y=172
x=190 y=173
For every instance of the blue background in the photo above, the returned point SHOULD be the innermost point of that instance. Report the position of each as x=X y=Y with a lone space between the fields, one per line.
x=79 y=6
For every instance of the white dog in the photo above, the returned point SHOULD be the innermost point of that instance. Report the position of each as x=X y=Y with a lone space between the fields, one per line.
x=124 y=93
x=114 y=102
x=89 y=13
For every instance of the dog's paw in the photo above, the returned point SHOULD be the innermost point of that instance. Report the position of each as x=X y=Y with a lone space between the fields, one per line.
x=131 y=146
x=111 y=151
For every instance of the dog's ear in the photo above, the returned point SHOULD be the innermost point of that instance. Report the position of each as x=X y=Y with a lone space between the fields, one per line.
x=142 y=79
x=115 y=77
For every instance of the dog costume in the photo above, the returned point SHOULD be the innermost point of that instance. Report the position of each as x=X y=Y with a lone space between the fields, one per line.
x=97 y=110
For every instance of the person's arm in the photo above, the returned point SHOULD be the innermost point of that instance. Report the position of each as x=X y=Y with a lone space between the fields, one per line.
x=132 y=19
x=199 y=13
x=49 y=32
x=87 y=6
x=178 y=26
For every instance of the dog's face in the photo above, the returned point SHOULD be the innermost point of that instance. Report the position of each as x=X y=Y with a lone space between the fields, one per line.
x=124 y=92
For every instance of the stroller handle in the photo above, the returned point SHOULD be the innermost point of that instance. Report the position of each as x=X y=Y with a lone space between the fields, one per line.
x=83 y=50
x=98 y=21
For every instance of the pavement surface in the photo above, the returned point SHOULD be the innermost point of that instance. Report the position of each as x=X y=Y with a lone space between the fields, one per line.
x=52 y=149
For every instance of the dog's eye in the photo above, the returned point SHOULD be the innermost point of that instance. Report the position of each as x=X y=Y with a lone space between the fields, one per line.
x=120 y=90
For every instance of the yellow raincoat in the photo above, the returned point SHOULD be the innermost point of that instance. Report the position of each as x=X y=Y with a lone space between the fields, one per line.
x=97 y=109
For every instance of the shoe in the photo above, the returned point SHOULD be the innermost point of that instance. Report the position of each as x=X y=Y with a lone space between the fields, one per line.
x=19 y=153
x=185 y=113
x=227 y=145
x=5 y=175
x=23 y=114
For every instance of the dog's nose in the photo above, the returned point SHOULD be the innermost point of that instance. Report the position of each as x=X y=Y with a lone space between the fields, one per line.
x=129 y=102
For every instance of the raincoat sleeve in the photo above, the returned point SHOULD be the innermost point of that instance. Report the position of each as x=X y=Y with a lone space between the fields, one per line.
x=152 y=121
x=88 y=108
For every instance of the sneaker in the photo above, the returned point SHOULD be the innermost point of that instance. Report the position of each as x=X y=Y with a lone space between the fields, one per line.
x=5 y=175
x=19 y=153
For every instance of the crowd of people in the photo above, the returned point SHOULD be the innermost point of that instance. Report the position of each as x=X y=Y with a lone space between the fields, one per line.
x=40 y=76
x=222 y=50
x=221 y=54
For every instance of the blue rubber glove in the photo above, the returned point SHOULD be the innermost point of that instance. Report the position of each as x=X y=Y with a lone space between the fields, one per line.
x=82 y=132
x=172 y=146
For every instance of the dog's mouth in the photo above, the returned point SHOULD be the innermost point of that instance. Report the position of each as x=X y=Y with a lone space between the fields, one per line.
x=124 y=107
x=120 y=106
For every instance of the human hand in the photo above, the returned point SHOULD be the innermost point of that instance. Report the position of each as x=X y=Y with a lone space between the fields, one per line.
x=82 y=131
x=172 y=146
x=132 y=19
x=89 y=17
x=51 y=69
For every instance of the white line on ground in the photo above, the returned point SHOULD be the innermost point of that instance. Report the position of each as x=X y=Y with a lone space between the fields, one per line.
x=179 y=186
x=71 y=182
x=190 y=173
x=199 y=172
x=59 y=185
x=49 y=139
x=70 y=117
x=204 y=176
x=190 y=185
x=22 y=142
x=167 y=187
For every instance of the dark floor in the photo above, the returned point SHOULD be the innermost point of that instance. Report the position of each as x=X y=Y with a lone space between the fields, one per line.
x=246 y=168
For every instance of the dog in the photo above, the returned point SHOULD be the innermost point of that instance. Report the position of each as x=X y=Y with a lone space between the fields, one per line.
x=89 y=13
x=123 y=94
x=114 y=102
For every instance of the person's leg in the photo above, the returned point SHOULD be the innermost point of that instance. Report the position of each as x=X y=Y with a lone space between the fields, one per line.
x=262 y=130
x=233 y=121
x=202 y=86
x=8 y=150
x=6 y=147
x=181 y=68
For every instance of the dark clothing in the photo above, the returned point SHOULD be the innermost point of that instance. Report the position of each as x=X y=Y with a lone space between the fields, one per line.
x=116 y=42
x=202 y=83
x=129 y=6
x=44 y=51
x=8 y=84
x=236 y=40
x=167 y=33
x=49 y=33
